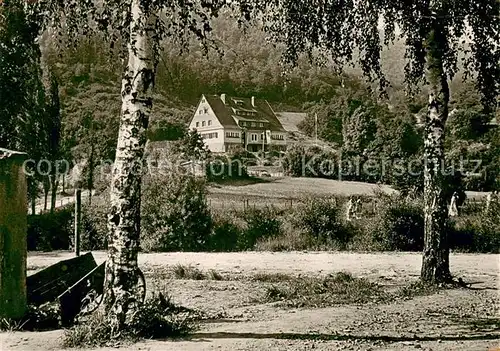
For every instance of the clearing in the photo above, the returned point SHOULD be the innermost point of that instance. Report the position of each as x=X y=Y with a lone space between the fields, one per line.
x=459 y=319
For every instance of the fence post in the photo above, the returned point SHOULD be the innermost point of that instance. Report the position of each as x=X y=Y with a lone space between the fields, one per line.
x=78 y=217
x=13 y=227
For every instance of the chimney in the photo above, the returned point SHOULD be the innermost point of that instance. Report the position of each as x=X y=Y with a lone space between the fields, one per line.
x=223 y=98
x=253 y=101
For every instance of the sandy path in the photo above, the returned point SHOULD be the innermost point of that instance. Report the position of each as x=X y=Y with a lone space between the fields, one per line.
x=437 y=322
x=368 y=264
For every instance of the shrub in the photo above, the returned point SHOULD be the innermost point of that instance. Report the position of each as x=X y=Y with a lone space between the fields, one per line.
x=478 y=233
x=260 y=223
x=398 y=225
x=223 y=168
x=187 y=272
x=157 y=318
x=290 y=240
x=313 y=162
x=225 y=233
x=95 y=224
x=321 y=220
x=51 y=231
x=36 y=318
x=174 y=213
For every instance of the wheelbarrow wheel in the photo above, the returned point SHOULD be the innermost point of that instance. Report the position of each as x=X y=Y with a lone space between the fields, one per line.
x=92 y=301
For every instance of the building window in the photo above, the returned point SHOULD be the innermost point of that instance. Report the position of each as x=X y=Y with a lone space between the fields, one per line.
x=203 y=123
x=277 y=137
x=206 y=110
x=209 y=122
x=262 y=136
x=210 y=136
x=261 y=125
x=200 y=112
x=197 y=124
x=253 y=124
x=232 y=135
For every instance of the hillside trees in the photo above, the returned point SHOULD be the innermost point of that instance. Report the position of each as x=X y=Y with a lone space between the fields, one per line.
x=30 y=109
x=53 y=136
x=19 y=74
x=432 y=31
x=139 y=25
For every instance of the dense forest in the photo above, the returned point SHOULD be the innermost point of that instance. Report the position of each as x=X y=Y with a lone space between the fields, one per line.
x=352 y=116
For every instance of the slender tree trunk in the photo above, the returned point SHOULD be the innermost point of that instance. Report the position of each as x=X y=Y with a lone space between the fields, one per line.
x=435 y=265
x=54 y=183
x=124 y=218
x=33 y=204
x=46 y=189
x=90 y=179
x=32 y=190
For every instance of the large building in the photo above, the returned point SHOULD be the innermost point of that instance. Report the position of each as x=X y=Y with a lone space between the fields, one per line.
x=227 y=123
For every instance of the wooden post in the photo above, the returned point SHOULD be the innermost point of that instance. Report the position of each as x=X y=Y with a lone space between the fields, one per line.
x=78 y=219
x=13 y=228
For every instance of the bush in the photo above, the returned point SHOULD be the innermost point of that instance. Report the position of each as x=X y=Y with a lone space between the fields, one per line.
x=321 y=220
x=313 y=162
x=37 y=318
x=225 y=233
x=95 y=225
x=157 y=318
x=224 y=168
x=51 y=231
x=260 y=224
x=290 y=240
x=479 y=233
x=398 y=225
x=175 y=215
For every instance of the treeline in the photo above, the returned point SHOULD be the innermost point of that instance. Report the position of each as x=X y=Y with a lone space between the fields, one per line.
x=30 y=110
x=351 y=116
x=387 y=136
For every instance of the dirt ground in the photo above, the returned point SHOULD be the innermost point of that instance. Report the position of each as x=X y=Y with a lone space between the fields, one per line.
x=459 y=319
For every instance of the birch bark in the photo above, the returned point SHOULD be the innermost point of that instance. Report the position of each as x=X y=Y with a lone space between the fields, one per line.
x=124 y=218
x=435 y=265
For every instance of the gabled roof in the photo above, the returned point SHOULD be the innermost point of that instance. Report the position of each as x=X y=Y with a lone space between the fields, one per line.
x=261 y=112
x=291 y=120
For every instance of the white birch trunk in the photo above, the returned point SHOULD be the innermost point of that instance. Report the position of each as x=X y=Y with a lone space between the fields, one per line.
x=435 y=265
x=124 y=217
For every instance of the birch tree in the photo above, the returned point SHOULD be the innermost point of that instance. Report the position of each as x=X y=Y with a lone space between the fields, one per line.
x=436 y=33
x=139 y=26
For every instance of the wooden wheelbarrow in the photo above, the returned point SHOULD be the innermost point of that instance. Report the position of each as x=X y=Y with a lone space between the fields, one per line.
x=77 y=284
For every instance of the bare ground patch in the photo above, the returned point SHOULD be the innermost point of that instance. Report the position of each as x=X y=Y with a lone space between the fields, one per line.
x=238 y=317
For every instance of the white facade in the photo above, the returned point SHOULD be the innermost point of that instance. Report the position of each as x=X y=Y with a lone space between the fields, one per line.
x=209 y=127
x=221 y=138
